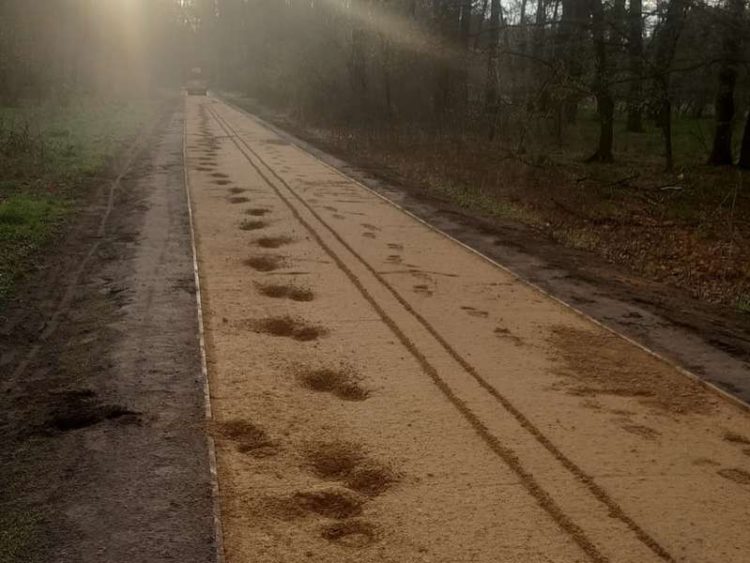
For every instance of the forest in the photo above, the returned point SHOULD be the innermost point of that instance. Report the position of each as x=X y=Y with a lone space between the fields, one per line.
x=615 y=126
x=521 y=70
x=518 y=69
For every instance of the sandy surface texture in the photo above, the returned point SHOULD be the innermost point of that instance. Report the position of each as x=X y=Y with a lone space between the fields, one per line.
x=382 y=393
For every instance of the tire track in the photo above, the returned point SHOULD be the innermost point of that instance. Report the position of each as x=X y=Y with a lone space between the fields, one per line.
x=582 y=476
x=507 y=455
x=596 y=490
x=56 y=317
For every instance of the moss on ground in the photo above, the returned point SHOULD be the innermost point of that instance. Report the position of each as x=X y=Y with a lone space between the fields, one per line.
x=16 y=536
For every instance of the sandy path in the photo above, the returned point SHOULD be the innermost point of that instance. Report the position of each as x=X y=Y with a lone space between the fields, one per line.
x=417 y=403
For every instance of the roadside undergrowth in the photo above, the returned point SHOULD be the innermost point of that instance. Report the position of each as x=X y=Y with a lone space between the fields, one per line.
x=50 y=157
x=688 y=229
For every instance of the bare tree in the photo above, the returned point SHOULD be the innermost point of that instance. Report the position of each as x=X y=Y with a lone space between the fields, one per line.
x=721 y=154
x=493 y=79
x=635 y=55
x=605 y=103
x=666 y=39
x=744 y=161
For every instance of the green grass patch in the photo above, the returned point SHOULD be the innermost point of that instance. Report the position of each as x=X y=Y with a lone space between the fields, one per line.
x=488 y=204
x=17 y=536
x=26 y=217
x=25 y=225
x=743 y=304
x=50 y=155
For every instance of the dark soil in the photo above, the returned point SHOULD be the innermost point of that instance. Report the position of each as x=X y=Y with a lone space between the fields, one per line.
x=332 y=503
x=347 y=463
x=334 y=460
x=737 y=475
x=290 y=327
x=343 y=383
x=293 y=292
x=273 y=242
x=371 y=479
x=101 y=412
x=352 y=533
x=252 y=225
x=248 y=437
x=265 y=263
x=259 y=212
x=736 y=438
x=80 y=410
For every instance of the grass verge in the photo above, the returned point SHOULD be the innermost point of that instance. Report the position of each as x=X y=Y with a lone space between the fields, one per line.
x=16 y=536
x=50 y=156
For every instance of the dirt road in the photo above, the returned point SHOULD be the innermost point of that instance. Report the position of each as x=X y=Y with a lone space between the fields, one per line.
x=382 y=393
x=103 y=454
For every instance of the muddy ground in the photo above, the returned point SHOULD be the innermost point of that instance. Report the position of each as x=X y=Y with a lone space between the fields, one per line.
x=102 y=415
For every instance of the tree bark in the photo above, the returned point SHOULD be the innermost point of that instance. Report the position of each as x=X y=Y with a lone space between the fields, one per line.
x=491 y=92
x=744 y=162
x=571 y=29
x=387 y=89
x=721 y=153
x=605 y=103
x=667 y=38
x=357 y=64
x=480 y=28
x=635 y=53
x=463 y=71
x=448 y=19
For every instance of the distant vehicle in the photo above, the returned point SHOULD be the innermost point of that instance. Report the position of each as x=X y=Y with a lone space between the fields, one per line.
x=196 y=85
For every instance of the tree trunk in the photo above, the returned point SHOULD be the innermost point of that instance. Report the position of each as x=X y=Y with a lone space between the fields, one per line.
x=721 y=154
x=463 y=70
x=744 y=162
x=571 y=30
x=635 y=52
x=541 y=102
x=466 y=23
x=387 y=90
x=605 y=103
x=671 y=28
x=666 y=126
x=480 y=29
x=491 y=93
x=448 y=19
x=358 y=67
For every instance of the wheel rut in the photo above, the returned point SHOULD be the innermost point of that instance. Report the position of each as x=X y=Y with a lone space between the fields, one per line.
x=288 y=195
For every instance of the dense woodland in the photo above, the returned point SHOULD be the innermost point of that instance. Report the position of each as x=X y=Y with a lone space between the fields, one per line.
x=616 y=126
x=518 y=68
x=56 y=49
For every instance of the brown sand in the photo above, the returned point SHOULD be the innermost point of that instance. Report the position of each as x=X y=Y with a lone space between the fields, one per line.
x=495 y=424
